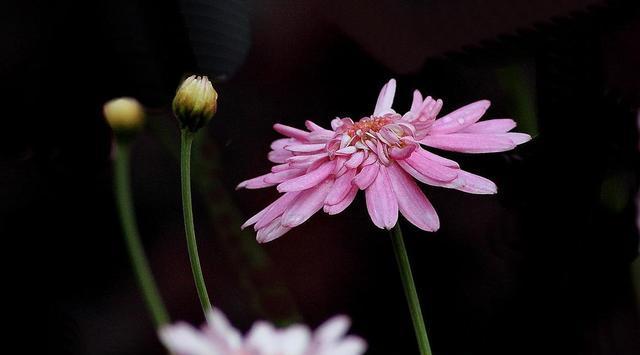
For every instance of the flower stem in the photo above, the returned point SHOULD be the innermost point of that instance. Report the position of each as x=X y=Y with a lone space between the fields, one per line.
x=410 y=289
x=192 y=246
x=126 y=212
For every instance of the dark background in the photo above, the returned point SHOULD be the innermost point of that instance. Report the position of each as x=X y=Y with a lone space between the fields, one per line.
x=542 y=267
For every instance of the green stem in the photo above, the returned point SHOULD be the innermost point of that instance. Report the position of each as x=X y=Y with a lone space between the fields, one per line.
x=192 y=246
x=410 y=289
x=132 y=237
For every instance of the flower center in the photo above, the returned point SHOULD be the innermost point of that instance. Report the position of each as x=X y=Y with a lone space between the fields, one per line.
x=368 y=124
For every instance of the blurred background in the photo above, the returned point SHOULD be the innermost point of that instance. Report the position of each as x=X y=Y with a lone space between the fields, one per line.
x=543 y=267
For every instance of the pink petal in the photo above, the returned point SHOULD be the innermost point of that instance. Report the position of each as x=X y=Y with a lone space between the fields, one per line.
x=281 y=143
x=518 y=138
x=314 y=127
x=340 y=161
x=402 y=153
x=416 y=104
x=280 y=167
x=305 y=148
x=279 y=156
x=431 y=168
x=385 y=99
x=419 y=176
x=309 y=202
x=255 y=183
x=276 y=209
x=342 y=205
x=276 y=178
x=291 y=132
x=470 y=142
x=356 y=159
x=413 y=204
x=272 y=231
x=309 y=180
x=366 y=176
x=256 y=217
x=465 y=181
x=341 y=187
x=438 y=159
x=382 y=153
x=372 y=158
x=347 y=150
x=305 y=161
x=460 y=118
x=501 y=125
x=381 y=201
x=318 y=134
x=475 y=184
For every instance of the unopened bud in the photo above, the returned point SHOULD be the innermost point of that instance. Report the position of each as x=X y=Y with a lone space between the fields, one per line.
x=195 y=102
x=125 y=115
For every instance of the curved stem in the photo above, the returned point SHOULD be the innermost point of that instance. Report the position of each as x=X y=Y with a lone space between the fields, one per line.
x=192 y=246
x=126 y=212
x=410 y=289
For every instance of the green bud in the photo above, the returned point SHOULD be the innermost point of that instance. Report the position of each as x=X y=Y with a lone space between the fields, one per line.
x=125 y=115
x=195 y=103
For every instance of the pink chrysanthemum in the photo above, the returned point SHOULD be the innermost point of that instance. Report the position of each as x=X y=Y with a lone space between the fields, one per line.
x=381 y=154
x=218 y=337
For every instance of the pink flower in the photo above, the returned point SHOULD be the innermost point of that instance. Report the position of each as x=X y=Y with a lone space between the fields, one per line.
x=382 y=154
x=218 y=337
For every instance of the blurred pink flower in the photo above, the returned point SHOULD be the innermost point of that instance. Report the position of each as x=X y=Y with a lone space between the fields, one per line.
x=218 y=337
x=382 y=154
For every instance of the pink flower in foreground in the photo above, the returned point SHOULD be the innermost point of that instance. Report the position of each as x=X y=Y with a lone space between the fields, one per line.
x=381 y=154
x=218 y=337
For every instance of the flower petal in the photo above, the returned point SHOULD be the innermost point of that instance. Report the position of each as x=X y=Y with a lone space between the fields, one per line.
x=500 y=125
x=470 y=142
x=518 y=138
x=342 y=205
x=474 y=184
x=294 y=340
x=182 y=338
x=261 y=338
x=276 y=209
x=460 y=118
x=350 y=345
x=333 y=329
x=402 y=153
x=438 y=159
x=291 y=132
x=255 y=183
x=385 y=99
x=280 y=176
x=309 y=180
x=279 y=156
x=412 y=202
x=366 y=176
x=281 y=143
x=305 y=148
x=381 y=201
x=274 y=230
x=430 y=168
x=309 y=202
x=341 y=187
x=416 y=104
x=356 y=159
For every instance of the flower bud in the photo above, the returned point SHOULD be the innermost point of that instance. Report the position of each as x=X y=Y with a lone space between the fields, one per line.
x=125 y=115
x=195 y=102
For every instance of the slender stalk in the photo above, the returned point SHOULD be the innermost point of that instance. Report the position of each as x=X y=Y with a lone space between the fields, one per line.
x=139 y=261
x=410 y=289
x=192 y=246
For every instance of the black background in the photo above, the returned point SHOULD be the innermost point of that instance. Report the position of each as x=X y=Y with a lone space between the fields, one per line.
x=542 y=267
